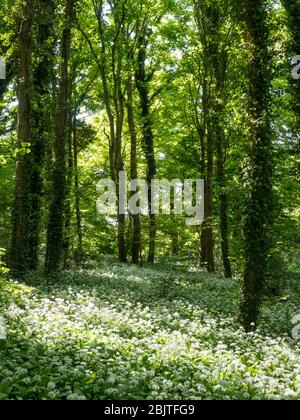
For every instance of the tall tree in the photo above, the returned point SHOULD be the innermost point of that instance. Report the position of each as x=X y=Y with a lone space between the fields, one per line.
x=258 y=208
x=79 y=250
x=136 y=228
x=54 y=251
x=219 y=60
x=68 y=187
x=43 y=75
x=143 y=78
x=21 y=212
x=111 y=68
x=204 y=13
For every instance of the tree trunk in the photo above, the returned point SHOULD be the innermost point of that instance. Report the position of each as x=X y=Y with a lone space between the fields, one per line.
x=175 y=242
x=201 y=137
x=68 y=192
x=110 y=67
x=220 y=69
x=76 y=190
x=208 y=207
x=258 y=217
x=204 y=20
x=136 y=223
x=223 y=211
x=119 y=166
x=142 y=83
x=207 y=170
x=42 y=77
x=122 y=238
x=210 y=19
x=22 y=202
x=224 y=234
x=54 y=252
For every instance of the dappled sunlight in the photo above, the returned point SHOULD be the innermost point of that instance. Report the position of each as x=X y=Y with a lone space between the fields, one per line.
x=149 y=201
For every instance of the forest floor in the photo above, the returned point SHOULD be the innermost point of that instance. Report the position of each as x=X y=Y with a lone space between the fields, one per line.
x=124 y=332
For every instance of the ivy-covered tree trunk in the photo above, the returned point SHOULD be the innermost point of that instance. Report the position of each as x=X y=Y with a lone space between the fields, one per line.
x=79 y=251
x=22 y=201
x=208 y=204
x=219 y=59
x=119 y=167
x=54 y=251
x=175 y=242
x=136 y=222
x=42 y=77
x=68 y=191
x=223 y=201
x=258 y=207
x=142 y=83
x=122 y=235
x=201 y=133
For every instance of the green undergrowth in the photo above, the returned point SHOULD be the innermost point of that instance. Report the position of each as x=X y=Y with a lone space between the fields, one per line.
x=114 y=331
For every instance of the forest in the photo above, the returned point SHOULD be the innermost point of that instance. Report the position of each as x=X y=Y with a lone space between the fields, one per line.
x=149 y=200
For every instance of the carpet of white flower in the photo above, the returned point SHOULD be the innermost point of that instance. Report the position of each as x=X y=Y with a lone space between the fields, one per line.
x=122 y=332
